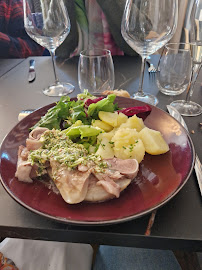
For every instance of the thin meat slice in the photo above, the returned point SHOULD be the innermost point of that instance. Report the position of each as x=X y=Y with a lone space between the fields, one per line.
x=24 y=167
x=126 y=167
x=25 y=170
x=33 y=142
x=97 y=193
x=108 y=183
x=72 y=184
x=110 y=186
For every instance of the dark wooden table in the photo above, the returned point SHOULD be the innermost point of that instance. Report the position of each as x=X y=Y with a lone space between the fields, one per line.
x=178 y=224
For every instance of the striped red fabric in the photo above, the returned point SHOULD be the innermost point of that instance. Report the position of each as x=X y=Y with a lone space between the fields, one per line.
x=14 y=41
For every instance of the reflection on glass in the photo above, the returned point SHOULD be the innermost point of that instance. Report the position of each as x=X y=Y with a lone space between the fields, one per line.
x=187 y=107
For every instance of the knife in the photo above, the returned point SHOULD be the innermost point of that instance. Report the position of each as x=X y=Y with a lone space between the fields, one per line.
x=197 y=166
x=32 y=72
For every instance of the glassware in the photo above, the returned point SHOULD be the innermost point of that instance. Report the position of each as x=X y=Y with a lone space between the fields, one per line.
x=96 y=70
x=187 y=107
x=174 y=69
x=147 y=25
x=47 y=22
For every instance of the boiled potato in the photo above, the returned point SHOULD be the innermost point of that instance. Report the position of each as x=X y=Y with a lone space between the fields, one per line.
x=122 y=118
x=134 y=122
x=108 y=135
x=153 y=141
x=128 y=145
x=102 y=125
x=109 y=118
x=125 y=136
x=105 y=149
x=135 y=151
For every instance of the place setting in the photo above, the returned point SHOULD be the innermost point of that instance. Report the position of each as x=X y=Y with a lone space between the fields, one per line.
x=108 y=122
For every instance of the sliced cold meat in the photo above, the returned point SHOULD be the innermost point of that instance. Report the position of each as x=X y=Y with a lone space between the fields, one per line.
x=127 y=167
x=33 y=142
x=97 y=193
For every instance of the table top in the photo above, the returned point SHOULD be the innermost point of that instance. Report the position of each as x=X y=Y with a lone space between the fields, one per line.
x=177 y=224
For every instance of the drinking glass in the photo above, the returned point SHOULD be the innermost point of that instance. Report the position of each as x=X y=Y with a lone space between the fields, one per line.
x=174 y=69
x=47 y=22
x=187 y=107
x=147 y=25
x=96 y=70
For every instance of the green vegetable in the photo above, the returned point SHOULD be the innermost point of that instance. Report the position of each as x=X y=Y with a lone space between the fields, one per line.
x=53 y=117
x=82 y=131
x=106 y=104
x=72 y=111
x=77 y=112
x=84 y=95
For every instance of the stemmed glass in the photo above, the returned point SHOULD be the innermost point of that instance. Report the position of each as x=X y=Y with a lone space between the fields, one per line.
x=187 y=107
x=147 y=25
x=47 y=22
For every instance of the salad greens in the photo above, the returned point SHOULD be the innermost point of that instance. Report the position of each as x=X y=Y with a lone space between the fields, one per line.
x=55 y=115
x=70 y=112
x=106 y=104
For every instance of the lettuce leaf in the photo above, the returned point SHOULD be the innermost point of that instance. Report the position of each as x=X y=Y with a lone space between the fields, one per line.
x=106 y=104
x=53 y=117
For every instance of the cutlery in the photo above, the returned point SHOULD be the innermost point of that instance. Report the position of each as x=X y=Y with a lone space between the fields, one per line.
x=24 y=113
x=32 y=72
x=197 y=166
x=151 y=68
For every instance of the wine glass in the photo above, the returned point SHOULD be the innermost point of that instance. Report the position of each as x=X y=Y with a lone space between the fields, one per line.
x=47 y=22
x=147 y=25
x=96 y=70
x=174 y=69
x=187 y=107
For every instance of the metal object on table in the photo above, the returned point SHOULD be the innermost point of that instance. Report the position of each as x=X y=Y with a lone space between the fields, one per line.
x=24 y=113
x=32 y=72
x=198 y=167
x=151 y=69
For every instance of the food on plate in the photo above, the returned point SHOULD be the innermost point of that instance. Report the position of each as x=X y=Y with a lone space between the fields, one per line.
x=153 y=141
x=127 y=144
x=89 y=148
x=98 y=123
x=120 y=93
x=112 y=119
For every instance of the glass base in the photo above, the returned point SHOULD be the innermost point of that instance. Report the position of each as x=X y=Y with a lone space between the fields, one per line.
x=58 y=90
x=147 y=98
x=187 y=108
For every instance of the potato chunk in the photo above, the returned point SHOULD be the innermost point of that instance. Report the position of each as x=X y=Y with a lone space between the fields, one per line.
x=125 y=136
x=128 y=145
x=122 y=118
x=109 y=118
x=134 y=151
x=105 y=149
x=134 y=122
x=102 y=125
x=153 y=141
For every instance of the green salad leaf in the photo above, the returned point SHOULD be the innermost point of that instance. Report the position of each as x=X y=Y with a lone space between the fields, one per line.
x=106 y=104
x=53 y=117
x=69 y=112
x=82 y=131
x=84 y=95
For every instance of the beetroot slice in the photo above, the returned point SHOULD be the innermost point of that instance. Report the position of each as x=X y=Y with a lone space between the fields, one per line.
x=140 y=111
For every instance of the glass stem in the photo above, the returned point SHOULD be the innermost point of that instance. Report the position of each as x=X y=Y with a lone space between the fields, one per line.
x=140 y=90
x=190 y=89
x=52 y=53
